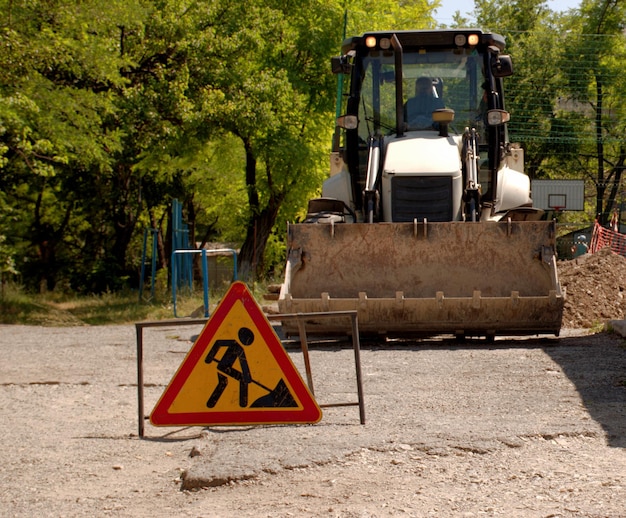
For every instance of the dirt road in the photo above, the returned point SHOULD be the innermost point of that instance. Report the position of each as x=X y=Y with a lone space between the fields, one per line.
x=520 y=427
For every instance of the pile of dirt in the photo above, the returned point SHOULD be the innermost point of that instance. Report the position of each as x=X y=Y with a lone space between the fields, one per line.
x=595 y=285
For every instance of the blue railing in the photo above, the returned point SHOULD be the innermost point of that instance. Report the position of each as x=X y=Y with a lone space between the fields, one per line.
x=205 y=272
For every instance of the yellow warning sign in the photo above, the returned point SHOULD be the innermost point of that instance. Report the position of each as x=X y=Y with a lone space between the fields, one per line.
x=237 y=372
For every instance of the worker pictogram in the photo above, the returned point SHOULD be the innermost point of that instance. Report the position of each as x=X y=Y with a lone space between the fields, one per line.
x=237 y=372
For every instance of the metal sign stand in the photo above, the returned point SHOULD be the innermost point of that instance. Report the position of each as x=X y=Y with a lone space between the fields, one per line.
x=140 y=326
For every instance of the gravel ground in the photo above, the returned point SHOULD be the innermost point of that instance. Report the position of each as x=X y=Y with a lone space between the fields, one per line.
x=528 y=427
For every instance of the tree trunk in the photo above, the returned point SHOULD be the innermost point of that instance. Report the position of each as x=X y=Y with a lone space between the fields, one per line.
x=260 y=224
x=600 y=183
x=125 y=214
x=615 y=192
x=47 y=239
x=251 y=257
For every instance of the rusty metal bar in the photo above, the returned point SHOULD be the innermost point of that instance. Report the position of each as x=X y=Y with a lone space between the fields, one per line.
x=139 y=327
x=305 y=353
x=356 y=345
x=356 y=342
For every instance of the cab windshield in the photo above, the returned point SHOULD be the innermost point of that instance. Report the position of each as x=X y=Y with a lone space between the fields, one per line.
x=431 y=79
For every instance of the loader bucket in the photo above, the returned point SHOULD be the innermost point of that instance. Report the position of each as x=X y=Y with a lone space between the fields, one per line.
x=425 y=279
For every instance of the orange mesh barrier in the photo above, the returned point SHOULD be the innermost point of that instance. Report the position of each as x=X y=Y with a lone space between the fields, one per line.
x=603 y=237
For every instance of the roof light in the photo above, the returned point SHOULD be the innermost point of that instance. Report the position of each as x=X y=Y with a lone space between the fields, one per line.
x=385 y=43
x=473 y=39
x=460 y=40
x=370 y=42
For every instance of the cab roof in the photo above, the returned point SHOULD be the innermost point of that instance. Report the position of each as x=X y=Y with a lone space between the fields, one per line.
x=427 y=39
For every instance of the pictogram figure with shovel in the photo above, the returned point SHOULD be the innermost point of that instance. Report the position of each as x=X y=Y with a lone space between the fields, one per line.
x=276 y=397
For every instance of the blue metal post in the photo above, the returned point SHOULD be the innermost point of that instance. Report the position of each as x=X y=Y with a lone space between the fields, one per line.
x=205 y=272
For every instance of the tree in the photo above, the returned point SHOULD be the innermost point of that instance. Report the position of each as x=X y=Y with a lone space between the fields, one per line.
x=54 y=94
x=262 y=81
x=281 y=103
x=594 y=66
x=531 y=32
x=108 y=111
x=383 y=15
x=565 y=99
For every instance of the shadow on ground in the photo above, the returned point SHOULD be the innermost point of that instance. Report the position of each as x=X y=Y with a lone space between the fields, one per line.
x=595 y=364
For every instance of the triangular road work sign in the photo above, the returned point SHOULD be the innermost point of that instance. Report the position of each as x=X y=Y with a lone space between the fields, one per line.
x=237 y=372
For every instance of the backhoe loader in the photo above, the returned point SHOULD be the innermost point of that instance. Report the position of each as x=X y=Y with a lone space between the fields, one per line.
x=426 y=224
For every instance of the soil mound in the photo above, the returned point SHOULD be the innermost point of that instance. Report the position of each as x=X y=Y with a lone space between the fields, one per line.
x=595 y=285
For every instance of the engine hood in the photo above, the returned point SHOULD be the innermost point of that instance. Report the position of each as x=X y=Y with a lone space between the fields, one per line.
x=423 y=152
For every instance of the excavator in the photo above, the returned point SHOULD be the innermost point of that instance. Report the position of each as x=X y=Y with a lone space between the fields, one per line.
x=426 y=224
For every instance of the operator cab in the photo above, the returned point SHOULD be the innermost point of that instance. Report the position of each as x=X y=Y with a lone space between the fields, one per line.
x=398 y=84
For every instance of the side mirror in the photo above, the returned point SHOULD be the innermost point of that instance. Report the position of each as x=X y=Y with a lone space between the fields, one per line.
x=340 y=65
x=498 y=117
x=502 y=66
x=348 y=122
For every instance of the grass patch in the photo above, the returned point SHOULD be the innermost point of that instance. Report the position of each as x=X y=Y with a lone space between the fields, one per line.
x=52 y=309
x=63 y=309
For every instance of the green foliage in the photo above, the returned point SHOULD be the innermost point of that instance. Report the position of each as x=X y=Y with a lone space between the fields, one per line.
x=7 y=252
x=375 y=15
x=566 y=97
x=109 y=110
